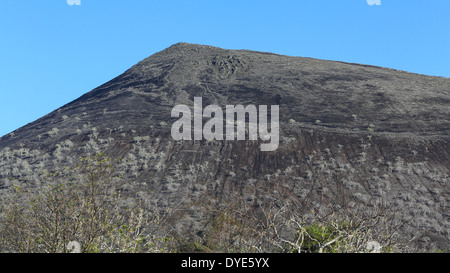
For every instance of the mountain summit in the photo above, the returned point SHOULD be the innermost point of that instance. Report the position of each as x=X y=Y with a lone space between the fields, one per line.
x=362 y=133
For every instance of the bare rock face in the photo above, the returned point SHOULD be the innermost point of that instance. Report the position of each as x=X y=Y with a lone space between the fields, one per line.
x=365 y=134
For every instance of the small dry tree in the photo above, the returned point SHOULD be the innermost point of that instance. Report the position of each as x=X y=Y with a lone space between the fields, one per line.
x=83 y=204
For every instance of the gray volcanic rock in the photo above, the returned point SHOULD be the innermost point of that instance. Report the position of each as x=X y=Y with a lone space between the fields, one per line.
x=379 y=135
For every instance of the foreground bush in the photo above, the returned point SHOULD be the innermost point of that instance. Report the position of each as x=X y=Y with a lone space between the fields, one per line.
x=84 y=209
x=80 y=207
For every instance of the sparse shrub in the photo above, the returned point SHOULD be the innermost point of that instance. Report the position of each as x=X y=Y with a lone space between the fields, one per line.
x=277 y=225
x=83 y=204
x=53 y=132
x=371 y=127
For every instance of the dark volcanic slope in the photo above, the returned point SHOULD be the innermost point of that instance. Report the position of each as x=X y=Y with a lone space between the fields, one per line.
x=381 y=134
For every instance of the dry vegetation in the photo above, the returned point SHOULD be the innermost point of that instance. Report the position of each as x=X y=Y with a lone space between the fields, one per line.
x=88 y=204
x=82 y=205
x=100 y=203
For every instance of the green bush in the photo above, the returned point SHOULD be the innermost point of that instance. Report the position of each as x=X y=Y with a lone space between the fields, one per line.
x=82 y=204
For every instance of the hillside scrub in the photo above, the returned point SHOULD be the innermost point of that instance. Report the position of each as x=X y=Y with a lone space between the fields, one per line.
x=87 y=209
x=79 y=206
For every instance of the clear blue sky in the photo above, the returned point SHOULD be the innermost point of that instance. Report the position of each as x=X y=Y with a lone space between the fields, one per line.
x=52 y=53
